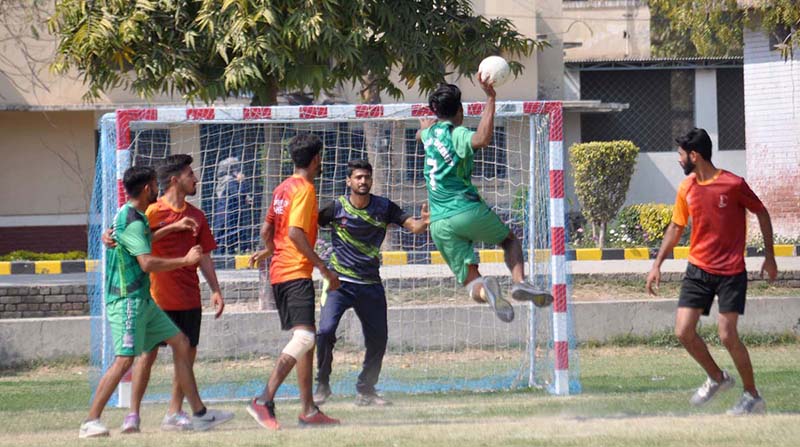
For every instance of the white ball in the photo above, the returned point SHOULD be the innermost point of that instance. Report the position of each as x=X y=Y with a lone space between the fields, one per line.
x=495 y=69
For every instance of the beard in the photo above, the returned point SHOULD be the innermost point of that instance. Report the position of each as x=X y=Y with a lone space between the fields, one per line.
x=688 y=167
x=360 y=191
x=153 y=196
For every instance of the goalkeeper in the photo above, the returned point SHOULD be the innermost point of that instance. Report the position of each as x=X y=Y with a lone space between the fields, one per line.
x=458 y=215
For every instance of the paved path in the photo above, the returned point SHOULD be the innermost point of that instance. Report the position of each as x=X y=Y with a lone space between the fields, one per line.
x=427 y=271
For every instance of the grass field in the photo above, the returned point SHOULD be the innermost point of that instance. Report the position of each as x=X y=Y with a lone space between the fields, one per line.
x=633 y=396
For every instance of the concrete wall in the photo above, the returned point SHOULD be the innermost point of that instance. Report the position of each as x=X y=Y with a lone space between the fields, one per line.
x=243 y=334
x=772 y=126
x=606 y=29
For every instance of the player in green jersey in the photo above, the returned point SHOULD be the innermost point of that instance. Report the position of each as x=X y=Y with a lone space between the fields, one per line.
x=459 y=216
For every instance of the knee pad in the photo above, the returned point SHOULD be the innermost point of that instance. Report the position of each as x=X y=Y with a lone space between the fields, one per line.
x=302 y=341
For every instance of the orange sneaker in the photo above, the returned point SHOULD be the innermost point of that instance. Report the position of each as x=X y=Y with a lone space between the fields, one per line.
x=318 y=418
x=264 y=414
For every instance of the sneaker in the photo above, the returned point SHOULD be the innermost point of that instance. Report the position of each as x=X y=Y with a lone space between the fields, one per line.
x=92 y=429
x=131 y=424
x=748 y=405
x=501 y=307
x=524 y=291
x=317 y=418
x=264 y=414
x=179 y=421
x=211 y=419
x=710 y=388
x=322 y=393
x=367 y=399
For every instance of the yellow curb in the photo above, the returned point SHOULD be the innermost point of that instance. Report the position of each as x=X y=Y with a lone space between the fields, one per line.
x=487 y=256
x=588 y=254
x=637 y=253
x=47 y=267
x=680 y=252
x=395 y=257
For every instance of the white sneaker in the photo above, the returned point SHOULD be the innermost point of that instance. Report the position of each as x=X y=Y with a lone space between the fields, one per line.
x=748 y=405
x=710 y=388
x=176 y=422
x=211 y=419
x=92 y=429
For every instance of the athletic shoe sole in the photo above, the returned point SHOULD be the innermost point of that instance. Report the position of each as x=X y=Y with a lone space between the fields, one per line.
x=253 y=413
x=525 y=292
x=501 y=307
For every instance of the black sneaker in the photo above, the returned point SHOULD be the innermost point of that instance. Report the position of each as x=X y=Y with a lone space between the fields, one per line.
x=322 y=393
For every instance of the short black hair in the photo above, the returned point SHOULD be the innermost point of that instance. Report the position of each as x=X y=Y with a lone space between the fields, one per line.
x=697 y=140
x=445 y=101
x=303 y=148
x=361 y=163
x=136 y=178
x=172 y=166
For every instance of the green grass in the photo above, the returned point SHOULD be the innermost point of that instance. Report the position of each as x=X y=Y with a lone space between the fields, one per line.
x=632 y=396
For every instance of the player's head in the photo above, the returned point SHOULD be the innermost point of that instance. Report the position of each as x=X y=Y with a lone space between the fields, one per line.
x=692 y=148
x=445 y=102
x=359 y=177
x=306 y=152
x=176 y=172
x=140 y=183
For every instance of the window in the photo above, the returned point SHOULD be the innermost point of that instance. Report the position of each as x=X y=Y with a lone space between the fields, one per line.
x=730 y=109
x=660 y=106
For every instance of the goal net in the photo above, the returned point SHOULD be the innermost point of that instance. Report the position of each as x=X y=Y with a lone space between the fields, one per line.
x=439 y=340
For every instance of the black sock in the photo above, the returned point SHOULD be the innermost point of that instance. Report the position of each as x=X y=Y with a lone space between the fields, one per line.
x=201 y=413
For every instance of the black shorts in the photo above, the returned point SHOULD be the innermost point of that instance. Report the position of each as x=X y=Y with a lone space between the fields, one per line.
x=188 y=321
x=699 y=287
x=295 y=302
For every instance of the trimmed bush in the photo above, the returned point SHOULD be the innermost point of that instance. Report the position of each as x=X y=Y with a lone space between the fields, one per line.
x=603 y=173
x=25 y=255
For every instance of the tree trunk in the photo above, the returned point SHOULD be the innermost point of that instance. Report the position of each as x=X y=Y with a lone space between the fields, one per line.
x=601 y=240
x=272 y=175
x=267 y=94
x=373 y=138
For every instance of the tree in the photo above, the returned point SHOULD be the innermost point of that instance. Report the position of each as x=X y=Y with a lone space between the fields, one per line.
x=210 y=49
x=682 y=28
x=603 y=172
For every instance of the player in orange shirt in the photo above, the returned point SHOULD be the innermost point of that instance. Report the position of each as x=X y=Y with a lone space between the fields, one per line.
x=717 y=201
x=289 y=233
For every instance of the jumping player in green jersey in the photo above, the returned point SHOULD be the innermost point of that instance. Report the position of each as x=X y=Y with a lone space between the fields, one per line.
x=459 y=216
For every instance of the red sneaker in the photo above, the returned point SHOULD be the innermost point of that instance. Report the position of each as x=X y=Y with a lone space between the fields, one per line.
x=318 y=418
x=264 y=414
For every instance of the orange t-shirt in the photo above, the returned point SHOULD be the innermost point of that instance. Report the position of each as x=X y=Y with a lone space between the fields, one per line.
x=177 y=289
x=717 y=208
x=294 y=204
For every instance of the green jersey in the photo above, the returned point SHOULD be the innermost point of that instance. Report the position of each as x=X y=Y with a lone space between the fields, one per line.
x=124 y=277
x=448 y=170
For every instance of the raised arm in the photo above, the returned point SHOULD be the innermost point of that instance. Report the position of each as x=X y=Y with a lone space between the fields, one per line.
x=483 y=136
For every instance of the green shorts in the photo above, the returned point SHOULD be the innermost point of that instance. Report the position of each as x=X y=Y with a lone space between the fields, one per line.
x=454 y=236
x=138 y=325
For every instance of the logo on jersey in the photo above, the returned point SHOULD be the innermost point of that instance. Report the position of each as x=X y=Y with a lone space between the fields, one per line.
x=280 y=205
x=723 y=200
